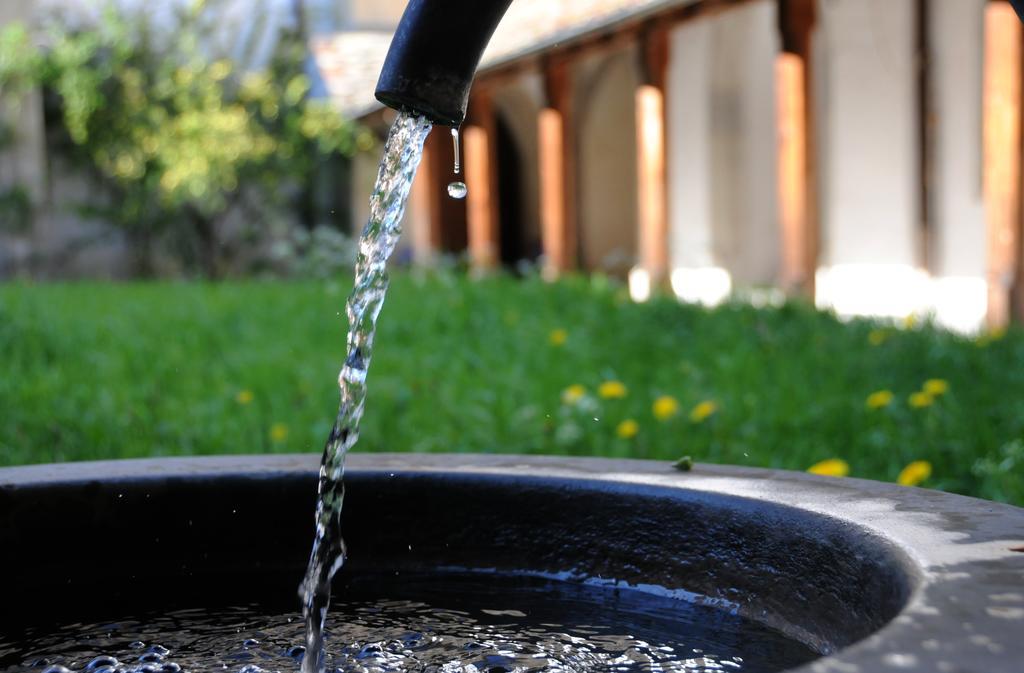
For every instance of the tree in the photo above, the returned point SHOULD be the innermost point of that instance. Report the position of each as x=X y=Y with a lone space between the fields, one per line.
x=19 y=69
x=180 y=137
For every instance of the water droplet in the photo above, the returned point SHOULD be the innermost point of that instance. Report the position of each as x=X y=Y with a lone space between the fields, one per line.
x=457 y=190
x=370 y=650
x=101 y=662
x=455 y=144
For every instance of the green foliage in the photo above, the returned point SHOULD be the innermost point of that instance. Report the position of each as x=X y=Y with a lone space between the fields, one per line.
x=97 y=371
x=19 y=69
x=177 y=135
x=15 y=209
x=1003 y=473
x=20 y=63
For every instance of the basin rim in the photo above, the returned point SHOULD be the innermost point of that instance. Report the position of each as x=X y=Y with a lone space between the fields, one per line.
x=966 y=613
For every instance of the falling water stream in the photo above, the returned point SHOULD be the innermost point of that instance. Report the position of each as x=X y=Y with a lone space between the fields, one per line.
x=402 y=155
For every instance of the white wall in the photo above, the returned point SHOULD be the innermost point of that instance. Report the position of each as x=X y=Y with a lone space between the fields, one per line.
x=872 y=258
x=869 y=132
x=743 y=129
x=958 y=247
x=723 y=221
x=607 y=161
x=689 y=146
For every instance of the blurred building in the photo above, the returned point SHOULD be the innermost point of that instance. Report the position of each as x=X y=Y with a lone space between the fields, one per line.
x=862 y=152
x=866 y=153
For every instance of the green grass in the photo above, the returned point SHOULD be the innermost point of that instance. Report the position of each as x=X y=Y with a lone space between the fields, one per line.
x=110 y=371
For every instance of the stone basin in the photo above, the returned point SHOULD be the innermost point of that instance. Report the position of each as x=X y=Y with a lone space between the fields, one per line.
x=873 y=576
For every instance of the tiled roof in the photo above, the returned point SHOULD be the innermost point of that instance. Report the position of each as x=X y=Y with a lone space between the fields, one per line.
x=349 y=65
x=350 y=62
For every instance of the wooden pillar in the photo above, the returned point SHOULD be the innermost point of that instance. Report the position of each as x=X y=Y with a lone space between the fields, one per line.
x=424 y=213
x=437 y=222
x=797 y=174
x=481 y=167
x=557 y=152
x=1002 y=155
x=651 y=143
x=792 y=169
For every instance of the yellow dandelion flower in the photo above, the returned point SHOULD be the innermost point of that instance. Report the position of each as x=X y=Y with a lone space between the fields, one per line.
x=879 y=399
x=558 y=337
x=278 y=432
x=612 y=390
x=665 y=407
x=910 y=322
x=627 y=429
x=833 y=467
x=703 y=411
x=915 y=473
x=244 y=397
x=877 y=337
x=935 y=387
x=920 y=400
x=573 y=394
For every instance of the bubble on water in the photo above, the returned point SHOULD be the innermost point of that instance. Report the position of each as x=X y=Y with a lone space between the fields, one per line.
x=152 y=658
x=137 y=645
x=457 y=190
x=56 y=668
x=370 y=650
x=296 y=651
x=170 y=667
x=250 y=668
x=250 y=642
x=101 y=662
x=159 y=649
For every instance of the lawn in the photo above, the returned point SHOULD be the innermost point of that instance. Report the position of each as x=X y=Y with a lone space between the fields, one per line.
x=500 y=365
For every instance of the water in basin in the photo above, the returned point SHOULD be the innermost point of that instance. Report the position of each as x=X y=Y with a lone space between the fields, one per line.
x=452 y=623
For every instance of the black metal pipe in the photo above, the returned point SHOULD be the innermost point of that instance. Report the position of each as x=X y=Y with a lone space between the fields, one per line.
x=434 y=56
x=1018 y=6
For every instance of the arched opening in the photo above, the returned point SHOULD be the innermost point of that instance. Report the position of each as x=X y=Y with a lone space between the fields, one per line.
x=516 y=106
x=607 y=165
x=516 y=244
